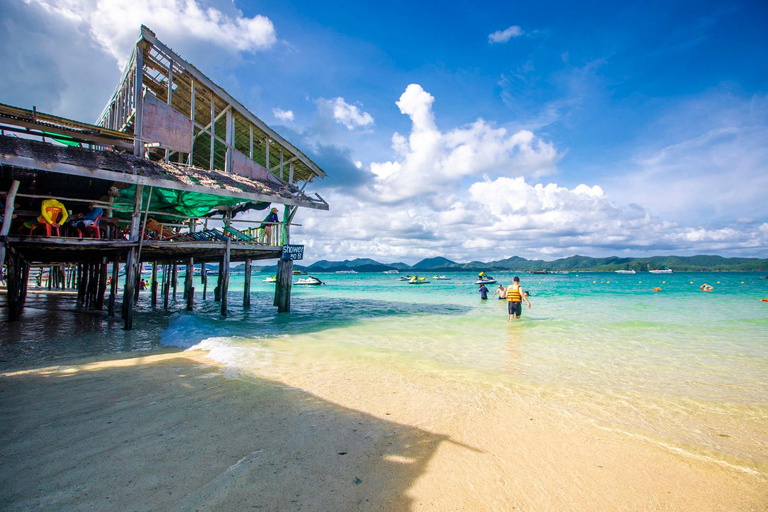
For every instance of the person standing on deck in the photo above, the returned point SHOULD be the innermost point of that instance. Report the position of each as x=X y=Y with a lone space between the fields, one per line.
x=267 y=226
x=515 y=298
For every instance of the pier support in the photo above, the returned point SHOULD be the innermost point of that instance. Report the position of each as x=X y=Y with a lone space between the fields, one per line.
x=113 y=288
x=283 y=286
x=247 y=284
x=132 y=263
x=154 y=284
x=224 y=275
x=204 y=279
x=189 y=290
x=7 y=218
x=15 y=280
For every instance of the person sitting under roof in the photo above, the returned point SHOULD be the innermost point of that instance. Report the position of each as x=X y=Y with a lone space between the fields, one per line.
x=90 y=219
x=53 y=214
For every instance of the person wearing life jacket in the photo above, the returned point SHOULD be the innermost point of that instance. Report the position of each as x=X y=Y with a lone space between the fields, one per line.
x=515 y=298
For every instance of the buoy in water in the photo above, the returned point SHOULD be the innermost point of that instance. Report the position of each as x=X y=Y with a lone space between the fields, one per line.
x=763 y=300
x=705 y=288
x=657 y=289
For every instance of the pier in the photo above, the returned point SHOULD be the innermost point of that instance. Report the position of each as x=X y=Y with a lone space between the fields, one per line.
x=169 y=165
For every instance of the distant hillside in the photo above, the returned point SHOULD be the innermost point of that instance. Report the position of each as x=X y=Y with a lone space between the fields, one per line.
x=572 y=263
x=434 y=263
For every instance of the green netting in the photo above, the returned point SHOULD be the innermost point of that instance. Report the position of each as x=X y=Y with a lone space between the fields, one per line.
x=177 y=202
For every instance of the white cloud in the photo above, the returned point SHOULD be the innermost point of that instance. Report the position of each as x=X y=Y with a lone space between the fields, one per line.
x=114 y=24
x=429 y=160
x=283 y=115
x=504 y=217
x=344 y=113
x=705 y=159
x=502 y=36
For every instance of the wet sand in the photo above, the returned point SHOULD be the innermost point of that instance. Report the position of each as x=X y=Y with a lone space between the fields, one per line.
x=175 y=431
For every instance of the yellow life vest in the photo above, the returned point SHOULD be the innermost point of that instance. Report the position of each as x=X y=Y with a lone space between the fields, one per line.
x=513 y=294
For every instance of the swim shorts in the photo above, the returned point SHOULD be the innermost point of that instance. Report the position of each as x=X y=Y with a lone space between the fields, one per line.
x=515 y=308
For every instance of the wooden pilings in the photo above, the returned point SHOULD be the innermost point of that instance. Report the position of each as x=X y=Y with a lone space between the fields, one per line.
x=224 y=281
x=16 y=279
x=247 y=284
x=113 y=288
x=204 y=279
x=283 y=286
x=154 y=284
x=189 y=289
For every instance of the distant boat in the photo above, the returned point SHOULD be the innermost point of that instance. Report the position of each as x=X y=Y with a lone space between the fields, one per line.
x=405 y=278
x=346 y=272
x=661 y=271
x=630 y=271
x=485 y=279
x=441 y=278
x=393 y=271
x=272 y=279
x=540 y=272
x=309 y=281
x=299 y=273
x=418 y=280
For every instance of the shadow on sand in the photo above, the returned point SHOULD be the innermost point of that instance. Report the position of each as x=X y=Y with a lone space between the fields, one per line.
x=165 y=432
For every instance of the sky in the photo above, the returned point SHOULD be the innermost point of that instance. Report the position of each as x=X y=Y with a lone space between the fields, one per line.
x=468 y=131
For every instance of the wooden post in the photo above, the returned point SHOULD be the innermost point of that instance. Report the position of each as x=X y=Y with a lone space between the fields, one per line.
x=175 y=279
x=82 y=284
x=247 y=284
x=224 y=270
x=166 y=284
x=217 y=290
x=132 y=263
x=204 y=278
x=113 y=288
x=154 y=284
x=7 y=218
x=283 y=286
x=284 y=271
x=13 y=280
x=189 y=289
x=138 y=145
x=102 y=284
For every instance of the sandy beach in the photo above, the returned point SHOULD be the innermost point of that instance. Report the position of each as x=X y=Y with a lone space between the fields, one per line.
x=176 y=431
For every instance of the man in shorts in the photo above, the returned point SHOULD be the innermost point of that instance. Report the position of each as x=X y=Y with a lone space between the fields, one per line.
x=515 y=298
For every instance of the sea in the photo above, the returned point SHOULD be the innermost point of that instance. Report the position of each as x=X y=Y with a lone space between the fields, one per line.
x=651 y=355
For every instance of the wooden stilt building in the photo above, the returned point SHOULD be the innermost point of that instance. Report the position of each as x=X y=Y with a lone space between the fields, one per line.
x=171 y=162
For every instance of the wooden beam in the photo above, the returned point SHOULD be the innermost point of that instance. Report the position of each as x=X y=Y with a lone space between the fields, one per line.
x=138 y=145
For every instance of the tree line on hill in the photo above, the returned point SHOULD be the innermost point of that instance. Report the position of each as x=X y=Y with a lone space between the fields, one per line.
x=574 y=263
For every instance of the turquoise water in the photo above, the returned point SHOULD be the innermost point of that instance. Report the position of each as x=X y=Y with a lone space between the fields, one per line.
x=680 y=366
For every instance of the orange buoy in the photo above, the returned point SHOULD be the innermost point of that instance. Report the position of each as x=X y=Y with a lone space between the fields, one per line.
x=657 y=289
x=763 y=300
x=705 y=288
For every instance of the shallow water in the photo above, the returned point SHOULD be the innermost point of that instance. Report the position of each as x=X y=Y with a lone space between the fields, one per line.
x=684 y=368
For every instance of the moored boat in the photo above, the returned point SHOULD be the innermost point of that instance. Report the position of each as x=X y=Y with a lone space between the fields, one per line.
x=624 y=271
x=392 y=271
x=441 y=278
x=661 y=271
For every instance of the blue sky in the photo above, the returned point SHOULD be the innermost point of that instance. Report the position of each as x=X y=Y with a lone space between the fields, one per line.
x=537 y=129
